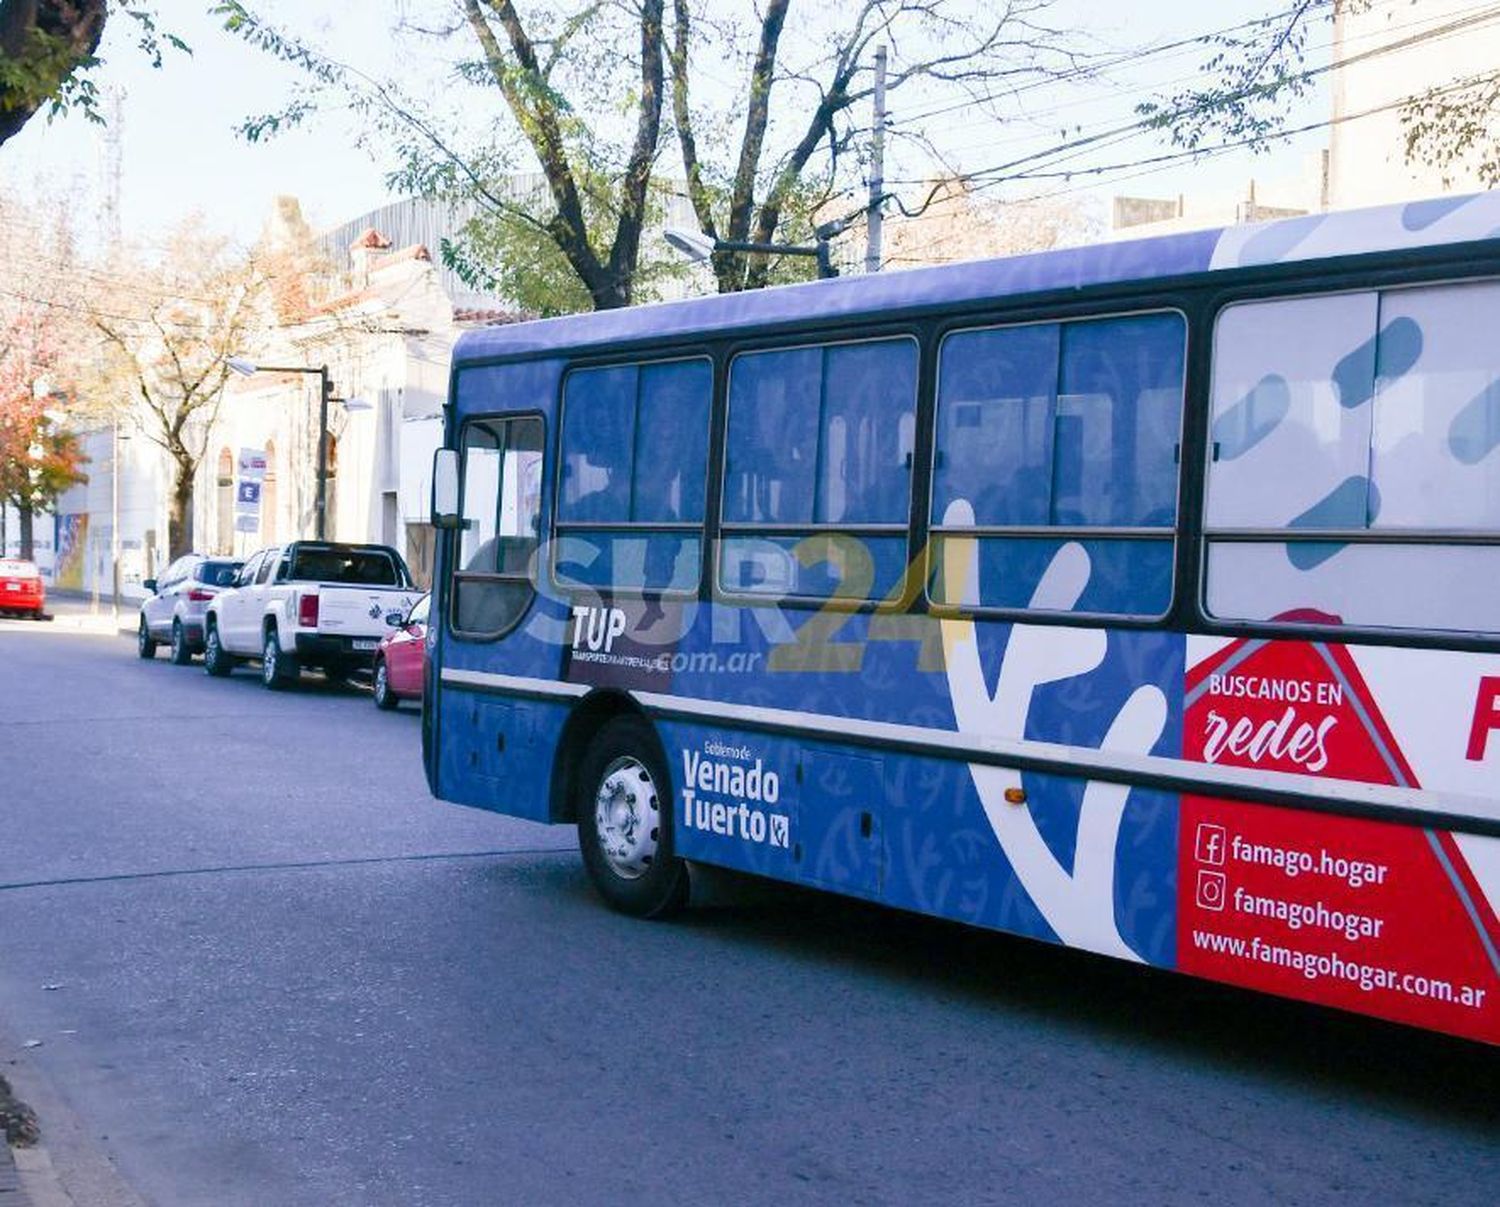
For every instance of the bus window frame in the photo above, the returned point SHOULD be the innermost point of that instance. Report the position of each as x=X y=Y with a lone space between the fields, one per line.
x=559 y=527
x=1176 y=533
x=456 y=575
x=902 y=596
x=1382 y=281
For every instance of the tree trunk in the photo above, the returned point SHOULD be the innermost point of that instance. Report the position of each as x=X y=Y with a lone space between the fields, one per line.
x=180 y=512
x=43 y=43
x=28 y=544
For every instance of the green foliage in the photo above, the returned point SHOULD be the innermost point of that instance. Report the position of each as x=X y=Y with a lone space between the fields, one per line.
x=53 y=67
x=1457 y=123
x=1254 y=71
x=519 y=259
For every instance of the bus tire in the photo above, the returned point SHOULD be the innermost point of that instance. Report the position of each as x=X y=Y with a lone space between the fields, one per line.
x=624 y=810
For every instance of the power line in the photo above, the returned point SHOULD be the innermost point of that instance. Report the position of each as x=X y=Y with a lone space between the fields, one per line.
x=1169 y=49
x=1037 y=117
x=1118 y=133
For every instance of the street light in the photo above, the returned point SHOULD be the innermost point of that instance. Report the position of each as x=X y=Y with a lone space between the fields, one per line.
x=698 y=246
x=248 y=368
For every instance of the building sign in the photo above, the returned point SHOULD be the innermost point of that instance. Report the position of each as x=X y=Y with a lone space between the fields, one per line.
x=252 y=466
x=250 y=479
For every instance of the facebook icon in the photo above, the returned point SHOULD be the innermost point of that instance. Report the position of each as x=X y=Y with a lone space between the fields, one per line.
x=1210 y=847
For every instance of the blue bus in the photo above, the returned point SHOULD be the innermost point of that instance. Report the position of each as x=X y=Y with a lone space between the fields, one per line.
x=1139 y=598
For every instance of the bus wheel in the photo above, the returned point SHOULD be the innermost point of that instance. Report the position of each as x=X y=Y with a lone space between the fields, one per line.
x=625 y=822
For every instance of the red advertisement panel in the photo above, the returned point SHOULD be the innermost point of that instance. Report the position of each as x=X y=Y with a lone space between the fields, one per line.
x=1370 y=916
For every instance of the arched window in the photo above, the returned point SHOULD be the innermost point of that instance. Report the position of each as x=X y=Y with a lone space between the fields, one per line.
x=224 y=484
x=332 y=511
x=268 y=498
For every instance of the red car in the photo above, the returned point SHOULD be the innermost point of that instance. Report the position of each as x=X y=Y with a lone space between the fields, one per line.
x=401 y=658
x=22 y=591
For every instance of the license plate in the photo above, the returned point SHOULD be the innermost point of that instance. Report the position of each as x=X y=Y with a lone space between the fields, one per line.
x=360 y=643
x=12 y=586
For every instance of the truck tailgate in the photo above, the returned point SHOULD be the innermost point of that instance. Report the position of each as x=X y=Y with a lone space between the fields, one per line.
x=360 y=611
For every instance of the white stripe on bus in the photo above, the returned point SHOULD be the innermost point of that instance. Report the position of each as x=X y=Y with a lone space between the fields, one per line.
x=1067 y=760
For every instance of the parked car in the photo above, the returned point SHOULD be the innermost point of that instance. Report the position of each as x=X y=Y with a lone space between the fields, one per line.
x=314 y=604
x=401 y=658
x=173 y=614
x=22 y=591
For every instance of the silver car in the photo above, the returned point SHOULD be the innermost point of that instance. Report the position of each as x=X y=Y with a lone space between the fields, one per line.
x=173 y=615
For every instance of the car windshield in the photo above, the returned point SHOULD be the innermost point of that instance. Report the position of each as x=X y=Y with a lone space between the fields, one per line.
x=10 y=568
x=218 y=574
x=366 y=567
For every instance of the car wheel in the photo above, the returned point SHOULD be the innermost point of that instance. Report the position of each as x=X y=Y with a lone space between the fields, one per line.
x=145 y=647
x=384 y=696
x=278 y=670
x=624 y=808
x=181 y=654
x=216 y=661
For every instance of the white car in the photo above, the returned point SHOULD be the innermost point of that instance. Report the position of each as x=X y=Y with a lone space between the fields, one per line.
x=315 y=604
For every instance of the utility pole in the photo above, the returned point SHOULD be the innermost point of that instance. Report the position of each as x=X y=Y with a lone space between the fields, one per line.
x=877 y=167
x=325 y=393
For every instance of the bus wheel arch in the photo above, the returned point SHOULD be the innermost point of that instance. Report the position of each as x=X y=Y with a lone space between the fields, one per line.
x=623 y=805
x=585 y=721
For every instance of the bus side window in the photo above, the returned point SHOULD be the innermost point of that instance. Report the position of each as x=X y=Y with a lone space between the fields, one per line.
x=817 y=481
x=635 y=463
x=501 y=488
x=1059 y=441
x=1357 y=480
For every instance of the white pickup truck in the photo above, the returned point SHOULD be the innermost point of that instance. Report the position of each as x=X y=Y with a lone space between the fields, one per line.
x=308 y=604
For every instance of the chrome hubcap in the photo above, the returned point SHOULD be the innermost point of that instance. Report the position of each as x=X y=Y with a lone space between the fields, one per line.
x=268 y=663
x=381 y=684
x=627 y=818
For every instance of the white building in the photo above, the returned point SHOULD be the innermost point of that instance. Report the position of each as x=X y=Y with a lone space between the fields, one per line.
x=1385 y=55
x=385 y=332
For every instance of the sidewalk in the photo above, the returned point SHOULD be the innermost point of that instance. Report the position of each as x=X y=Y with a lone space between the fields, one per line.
x=11 y=1192
x=75 y=610
x=15 y=1117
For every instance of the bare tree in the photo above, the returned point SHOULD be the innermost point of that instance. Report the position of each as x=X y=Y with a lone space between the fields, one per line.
x=962 y=223
x=583 y=83
x=168 y=330
x=980 y=53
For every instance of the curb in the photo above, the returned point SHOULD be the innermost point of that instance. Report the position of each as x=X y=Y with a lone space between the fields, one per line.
x=12 y=1193
x=16 y=1118
x=65 y=1168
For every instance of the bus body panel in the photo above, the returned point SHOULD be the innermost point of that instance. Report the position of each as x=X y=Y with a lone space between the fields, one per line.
x=1139 y=790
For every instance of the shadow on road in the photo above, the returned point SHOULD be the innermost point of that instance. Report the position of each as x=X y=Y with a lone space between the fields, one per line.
x=1180 y=1018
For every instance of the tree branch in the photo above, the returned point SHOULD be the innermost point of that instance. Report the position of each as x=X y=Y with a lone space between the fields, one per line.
x=625 y=252
x=536 y=113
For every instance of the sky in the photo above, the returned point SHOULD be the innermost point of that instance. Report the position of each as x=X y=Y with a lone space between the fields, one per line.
x=180 y=153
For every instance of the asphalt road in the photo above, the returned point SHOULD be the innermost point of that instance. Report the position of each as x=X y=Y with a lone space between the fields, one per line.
x=265 y=967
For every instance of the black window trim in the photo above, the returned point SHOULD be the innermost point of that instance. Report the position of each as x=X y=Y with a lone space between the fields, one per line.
x=559 y=527
x=1378 y=282
x=1173 y=533
x=899 y=598
x=455 y=574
